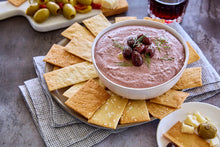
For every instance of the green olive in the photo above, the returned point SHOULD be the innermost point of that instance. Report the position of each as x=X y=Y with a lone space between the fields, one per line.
x=69 y=11
x=84 y=2
x=59 y=1
x=207 y=130
x=65 y=1
x=54 y=8
x=72 y=2
x=40 y=2
x=41 y=15
x=32 y=9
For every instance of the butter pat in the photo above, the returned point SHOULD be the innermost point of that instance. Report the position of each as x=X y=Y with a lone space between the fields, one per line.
x=214 y=141
x=187 y=129
x=199 y=117
x=191 y=120
x=109 y=4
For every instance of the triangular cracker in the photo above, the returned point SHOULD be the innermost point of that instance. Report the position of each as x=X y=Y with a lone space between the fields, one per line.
x=175 y=135
x=76 y=30
x=59 y=57
x=70 y=75
x=171 y=98
x=193 y=55
x=88 y=99
x=96 y=23
x=73 y=89
x=109 y=114
x=191 y=77
x=81 y=47
x=135 y=111
x=159 y=111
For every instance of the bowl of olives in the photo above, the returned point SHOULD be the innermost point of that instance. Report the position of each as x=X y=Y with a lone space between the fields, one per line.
x=139 y=59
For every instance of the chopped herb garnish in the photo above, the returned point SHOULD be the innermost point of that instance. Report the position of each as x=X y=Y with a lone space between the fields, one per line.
x=157 y=43
x=147 y=61
x=125 y=64
x=166 y=46
x=117 y=44
x=137 y=41
x=161 y=43
x=162 y=40
x=165 y=57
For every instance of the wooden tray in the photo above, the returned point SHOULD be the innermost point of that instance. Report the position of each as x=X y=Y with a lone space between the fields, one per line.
x=55 y=22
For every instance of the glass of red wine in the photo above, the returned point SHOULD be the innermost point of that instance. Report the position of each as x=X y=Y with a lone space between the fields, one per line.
x=170 y=10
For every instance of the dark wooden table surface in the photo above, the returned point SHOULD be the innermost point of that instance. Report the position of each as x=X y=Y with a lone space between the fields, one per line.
x=19 y=42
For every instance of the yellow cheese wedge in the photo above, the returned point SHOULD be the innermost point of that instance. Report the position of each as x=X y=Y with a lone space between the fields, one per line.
x=199 y=117
x=187 y=129
x=97 y=1
x=191 y=120
x=109 y=4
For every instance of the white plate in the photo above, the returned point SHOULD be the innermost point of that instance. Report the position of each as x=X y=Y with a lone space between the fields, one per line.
x=52 y=23
x=210 y=111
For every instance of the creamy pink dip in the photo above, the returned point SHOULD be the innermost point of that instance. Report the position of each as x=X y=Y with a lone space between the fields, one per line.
x=164 y=65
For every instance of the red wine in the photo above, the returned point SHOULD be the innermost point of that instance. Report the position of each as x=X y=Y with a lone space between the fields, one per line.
x=168 y=9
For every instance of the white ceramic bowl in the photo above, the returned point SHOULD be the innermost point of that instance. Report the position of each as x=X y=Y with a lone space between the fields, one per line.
x=140 y=93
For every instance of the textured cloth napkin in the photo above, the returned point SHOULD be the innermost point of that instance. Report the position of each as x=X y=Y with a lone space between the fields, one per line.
x=58 y=128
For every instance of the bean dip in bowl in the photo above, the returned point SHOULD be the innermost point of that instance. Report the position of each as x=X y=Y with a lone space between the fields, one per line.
x=139 y=59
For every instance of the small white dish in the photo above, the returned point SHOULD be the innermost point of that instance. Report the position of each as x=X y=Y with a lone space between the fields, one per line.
x=207 y=110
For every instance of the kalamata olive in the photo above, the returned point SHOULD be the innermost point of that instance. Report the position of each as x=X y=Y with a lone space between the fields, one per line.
x=139 y=36
x=171 y=144
x=150 y=51
x=127 y=51
x=131 y=41
x=140 y=48
x=146 y=41
x=136 y=58
x=207 y=130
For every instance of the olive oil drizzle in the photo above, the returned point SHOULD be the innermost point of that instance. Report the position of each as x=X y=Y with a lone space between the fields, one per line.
x=125 y=64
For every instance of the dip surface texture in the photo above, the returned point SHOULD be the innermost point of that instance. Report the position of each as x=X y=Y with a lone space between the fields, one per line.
x=164 y=65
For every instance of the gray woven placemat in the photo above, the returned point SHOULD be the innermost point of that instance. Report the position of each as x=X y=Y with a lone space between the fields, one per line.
x=77 y=134
x=58 y=128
